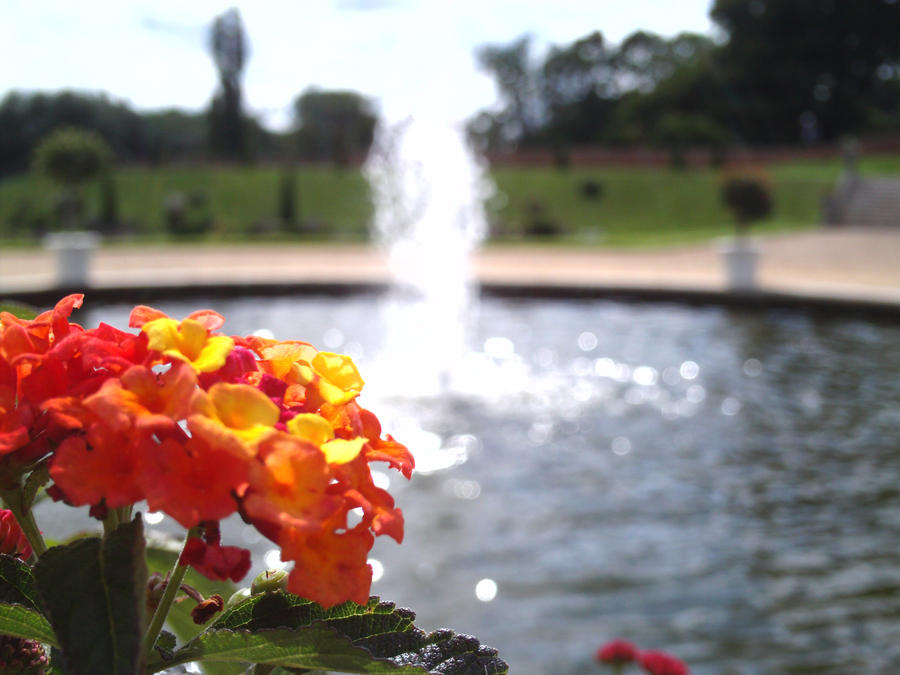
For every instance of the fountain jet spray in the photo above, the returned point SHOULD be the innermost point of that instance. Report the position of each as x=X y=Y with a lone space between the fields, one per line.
x=429 y=191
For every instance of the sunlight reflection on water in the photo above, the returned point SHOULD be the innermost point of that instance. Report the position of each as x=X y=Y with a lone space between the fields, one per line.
x=719 y=484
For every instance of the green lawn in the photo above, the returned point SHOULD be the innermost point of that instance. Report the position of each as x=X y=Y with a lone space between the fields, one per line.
x=239 y=200
x=637 y=206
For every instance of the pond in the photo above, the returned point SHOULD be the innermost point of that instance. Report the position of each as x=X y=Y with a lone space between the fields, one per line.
x=719 y=484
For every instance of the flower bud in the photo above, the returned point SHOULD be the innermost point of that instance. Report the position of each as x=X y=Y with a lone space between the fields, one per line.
x=237 y=597
x=270 y=580
x=22 y=657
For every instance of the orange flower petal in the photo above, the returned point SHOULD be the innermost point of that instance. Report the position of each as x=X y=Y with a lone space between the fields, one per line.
x=193 y=482
x=330 y=568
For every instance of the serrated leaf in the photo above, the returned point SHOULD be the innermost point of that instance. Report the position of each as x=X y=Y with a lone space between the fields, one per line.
x=93 y=592
x=279 y=609
x=315 y=647
x=23 y=622
x=17 y=582
x=372 y=638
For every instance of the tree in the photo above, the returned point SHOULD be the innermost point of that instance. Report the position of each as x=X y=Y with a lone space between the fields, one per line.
x=72 y=157
x=27 y=118
x=229 y=51
x=335 y=126
x=519 y=89
x=811 y=69
x=577 y=82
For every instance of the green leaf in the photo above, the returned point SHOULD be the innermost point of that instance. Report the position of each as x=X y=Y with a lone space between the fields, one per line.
x=18 y=309
x=17 y=582
x=94 y=593
x=315 y=646
x=282 y=629
x=23 y=622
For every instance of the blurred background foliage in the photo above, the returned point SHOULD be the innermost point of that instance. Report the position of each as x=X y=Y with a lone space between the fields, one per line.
x=782 y=84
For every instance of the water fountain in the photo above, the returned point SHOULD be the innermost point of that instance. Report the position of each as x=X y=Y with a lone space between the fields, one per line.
x=428 y=191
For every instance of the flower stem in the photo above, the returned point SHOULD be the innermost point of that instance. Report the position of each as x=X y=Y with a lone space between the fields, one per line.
x=111 y=522
x=32 y=532
x=165 y=603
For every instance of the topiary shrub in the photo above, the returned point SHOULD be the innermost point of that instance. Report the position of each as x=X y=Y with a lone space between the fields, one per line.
x=71 y=157
x=187 y=215
x=749 y=198
x=538 y=223
x=590 y=189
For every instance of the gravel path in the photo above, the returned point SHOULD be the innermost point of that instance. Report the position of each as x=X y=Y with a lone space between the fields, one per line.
x=846 y=262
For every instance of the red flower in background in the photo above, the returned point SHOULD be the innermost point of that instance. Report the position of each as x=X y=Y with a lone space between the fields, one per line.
x=659 y=663
x=12 y=539
x=617 y=652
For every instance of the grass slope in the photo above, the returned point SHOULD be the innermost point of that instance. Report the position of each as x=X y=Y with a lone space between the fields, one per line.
x=637 y=207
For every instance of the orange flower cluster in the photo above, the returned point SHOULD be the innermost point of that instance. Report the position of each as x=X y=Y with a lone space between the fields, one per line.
x=202 y=425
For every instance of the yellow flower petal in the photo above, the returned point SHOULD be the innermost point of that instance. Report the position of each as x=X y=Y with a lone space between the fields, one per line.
x=339 y=369
x=192 y=338
x=341 y=381
x=162 y=334
x=188 y=341
x=311 y=427
x=213 y=355
x=245 y=410
x=340 y=451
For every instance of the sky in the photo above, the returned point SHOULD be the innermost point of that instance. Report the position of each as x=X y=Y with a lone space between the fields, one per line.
x=411 y=56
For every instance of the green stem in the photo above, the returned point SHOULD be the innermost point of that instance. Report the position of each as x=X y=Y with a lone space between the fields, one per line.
x=32 y=532
x=165 y=603
x=111 y=522
x=13 y=500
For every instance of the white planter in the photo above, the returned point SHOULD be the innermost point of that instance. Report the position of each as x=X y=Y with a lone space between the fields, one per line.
x=74 y=251
x=740 y=257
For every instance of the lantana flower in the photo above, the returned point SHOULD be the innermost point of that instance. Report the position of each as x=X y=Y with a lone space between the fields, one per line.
x=203 y=425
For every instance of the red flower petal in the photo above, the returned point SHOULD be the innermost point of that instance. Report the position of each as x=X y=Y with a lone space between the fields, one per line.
x=216 y=562
x=660 y=663
x=617 y=651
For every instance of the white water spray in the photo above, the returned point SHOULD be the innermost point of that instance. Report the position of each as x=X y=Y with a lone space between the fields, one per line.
x=429 y=192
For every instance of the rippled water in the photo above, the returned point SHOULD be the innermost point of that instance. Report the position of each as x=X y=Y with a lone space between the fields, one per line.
x=722 y=485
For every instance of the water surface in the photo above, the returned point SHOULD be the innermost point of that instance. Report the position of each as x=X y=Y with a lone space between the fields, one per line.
x=719 y=484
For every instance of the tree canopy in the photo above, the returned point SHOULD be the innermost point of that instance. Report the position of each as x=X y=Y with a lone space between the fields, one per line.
x=785 y=71
x=333 y=125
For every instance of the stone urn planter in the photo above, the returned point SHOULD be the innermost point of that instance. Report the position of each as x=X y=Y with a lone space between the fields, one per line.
x=740 y=257
x=73 y=252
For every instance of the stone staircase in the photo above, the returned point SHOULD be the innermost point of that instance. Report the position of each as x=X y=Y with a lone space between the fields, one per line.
x=864 y=201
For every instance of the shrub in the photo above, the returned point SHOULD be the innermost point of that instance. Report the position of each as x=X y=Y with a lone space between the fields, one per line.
x=187 y=215
x=591 y=189
x=538 y=223
x=72 y=156
x=748 y=197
